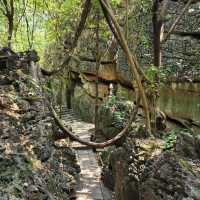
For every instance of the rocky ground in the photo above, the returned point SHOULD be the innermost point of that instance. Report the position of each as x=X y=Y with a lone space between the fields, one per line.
x=32 y=165
x=166 y=167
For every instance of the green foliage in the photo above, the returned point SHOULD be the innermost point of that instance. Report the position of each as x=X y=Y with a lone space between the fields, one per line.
x=118 y=110
x=105 y=155
x=169 y=70
x=118 y=118
x=110 y=102
x=171 y=137
x=170 y=140
x=153 y=73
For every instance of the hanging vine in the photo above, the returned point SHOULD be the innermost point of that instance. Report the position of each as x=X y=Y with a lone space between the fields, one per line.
x=71 y=47
x=97 y=68
x=134 y=66
x=133 y=63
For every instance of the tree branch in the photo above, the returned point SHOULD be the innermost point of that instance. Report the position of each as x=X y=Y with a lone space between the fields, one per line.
x=133 y=63
x=5 y=4
x=70 y=134
x=84 y=15
x=33 y=24
x=12 y=8
x=22 y=15
x=2 y=10
x=110 y=24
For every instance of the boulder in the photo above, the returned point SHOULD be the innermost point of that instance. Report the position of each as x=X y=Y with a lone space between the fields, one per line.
x=113 y=115
x=171 y=177
x=7 y=58
x=83 y=104
x=118 y=172
x=186 y=145
x=90 y=87
x=197 y=145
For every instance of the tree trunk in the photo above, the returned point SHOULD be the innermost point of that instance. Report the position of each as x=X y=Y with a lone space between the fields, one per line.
x=157 y=30
x=10 y=31
x=133 y=63
x=68 y=97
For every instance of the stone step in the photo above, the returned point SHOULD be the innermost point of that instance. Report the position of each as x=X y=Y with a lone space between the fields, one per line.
x=69 y=117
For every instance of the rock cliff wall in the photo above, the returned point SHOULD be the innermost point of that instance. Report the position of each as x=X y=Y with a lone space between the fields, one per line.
x=180 y=56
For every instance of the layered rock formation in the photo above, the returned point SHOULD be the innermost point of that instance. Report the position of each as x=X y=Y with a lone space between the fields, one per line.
x=32 y=165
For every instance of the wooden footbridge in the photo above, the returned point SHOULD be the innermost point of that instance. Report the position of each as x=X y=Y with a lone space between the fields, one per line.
x=90 y=186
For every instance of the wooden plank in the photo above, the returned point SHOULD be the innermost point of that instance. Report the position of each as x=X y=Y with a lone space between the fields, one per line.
x=90 y=186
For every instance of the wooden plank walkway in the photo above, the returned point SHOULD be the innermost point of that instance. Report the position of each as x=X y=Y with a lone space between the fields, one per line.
x=90 y=186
